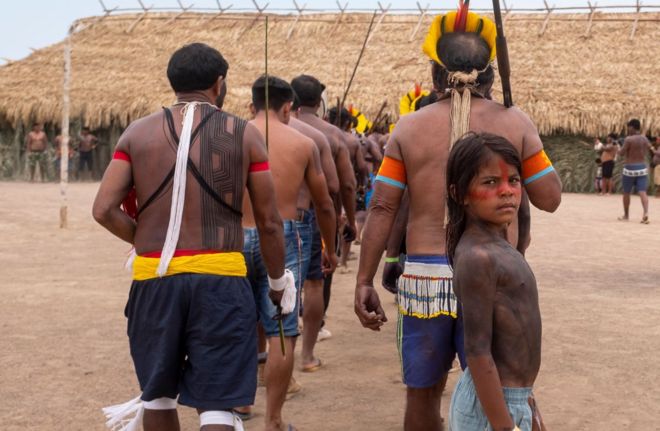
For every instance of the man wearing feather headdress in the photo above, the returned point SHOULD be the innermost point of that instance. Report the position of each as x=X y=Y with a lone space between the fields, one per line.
x=461 y=46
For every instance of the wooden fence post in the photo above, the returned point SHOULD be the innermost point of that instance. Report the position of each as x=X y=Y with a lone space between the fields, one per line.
x=547 y=17
x=141 y=17
x=638 y=7
x=295 y=22
x=421 y=19
x=592 y=10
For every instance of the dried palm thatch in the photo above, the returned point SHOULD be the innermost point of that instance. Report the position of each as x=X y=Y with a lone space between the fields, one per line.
x=566 y=82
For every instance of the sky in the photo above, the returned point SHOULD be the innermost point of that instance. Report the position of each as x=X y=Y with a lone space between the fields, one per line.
x=34 y=24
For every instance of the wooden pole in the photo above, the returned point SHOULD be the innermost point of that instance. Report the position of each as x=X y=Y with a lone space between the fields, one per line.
x=422 y=15
x=638 y=8
x=592 y=10
x=64 y=145
x=357 y=64
x=503 y=65
x=267 y=91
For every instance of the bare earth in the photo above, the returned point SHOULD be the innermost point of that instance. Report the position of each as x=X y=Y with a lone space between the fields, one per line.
x=65 y=352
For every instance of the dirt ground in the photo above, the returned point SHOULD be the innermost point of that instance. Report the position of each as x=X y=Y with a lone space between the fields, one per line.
x=64 y=351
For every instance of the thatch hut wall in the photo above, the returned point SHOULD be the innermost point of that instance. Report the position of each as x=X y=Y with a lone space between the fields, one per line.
x=568 y=83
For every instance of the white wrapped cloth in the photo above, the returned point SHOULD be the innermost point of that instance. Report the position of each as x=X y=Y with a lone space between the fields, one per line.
x=286 y=283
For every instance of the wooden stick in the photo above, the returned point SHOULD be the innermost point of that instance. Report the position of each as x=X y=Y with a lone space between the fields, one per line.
x=502 y=55
x=183 y=10
x=260 y=12
x=377 y=119
x=295 y=22
x=384 y=11
x=340 y=17
x=421 y=20
x=507 y=11
x=267 y=90
x=357 y=64
x=634 y=27
x=141 y=17
x=64 y=144
x=591 y=17
x=547 y=17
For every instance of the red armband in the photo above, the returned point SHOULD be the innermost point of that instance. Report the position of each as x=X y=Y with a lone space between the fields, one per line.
x=120 y=155
x=259 y=167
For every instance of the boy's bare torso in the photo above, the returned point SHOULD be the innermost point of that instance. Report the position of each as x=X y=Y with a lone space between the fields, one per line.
x=516 y=318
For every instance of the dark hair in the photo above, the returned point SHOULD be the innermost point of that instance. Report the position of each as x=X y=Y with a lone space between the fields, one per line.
x=308 y=89
x=429 y=99
x=195 y=67
x=598 y=160
x=345 y=118
x=463 y=52
x=279 y=93
x=635 y=124
x=465 y=159
x=613 y=136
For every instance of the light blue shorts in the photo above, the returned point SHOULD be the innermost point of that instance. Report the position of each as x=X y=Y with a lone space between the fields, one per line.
x=258 y=278
x=466 y=413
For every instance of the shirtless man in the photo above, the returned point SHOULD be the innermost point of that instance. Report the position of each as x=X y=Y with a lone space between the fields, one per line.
x=294 y=162
x=635 y=169
x=36 y=143
x=58 y=155
x=352 y=142
x=607 y=157
x=202 y=314
x=317 y=293
x=656 y=169
x=415 y=159
x=86 y=153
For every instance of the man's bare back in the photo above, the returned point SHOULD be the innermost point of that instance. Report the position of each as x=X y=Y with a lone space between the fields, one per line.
x=327 y=160
x=291 y=154
x=636 y=149
x=505 y=277
x=224 y=140
x=421 y=140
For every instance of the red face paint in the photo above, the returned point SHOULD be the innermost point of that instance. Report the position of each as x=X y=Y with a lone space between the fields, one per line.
x=505 y=185
x=494 y=183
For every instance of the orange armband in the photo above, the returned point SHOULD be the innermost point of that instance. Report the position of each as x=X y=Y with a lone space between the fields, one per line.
x=392 y=172
x=537 y=166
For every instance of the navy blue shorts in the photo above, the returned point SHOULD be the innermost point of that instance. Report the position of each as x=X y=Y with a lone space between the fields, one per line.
x=304 y=225
x=315 y=270
x=194 y=335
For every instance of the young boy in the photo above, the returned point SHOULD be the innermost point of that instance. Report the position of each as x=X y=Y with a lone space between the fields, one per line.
x=495 y=286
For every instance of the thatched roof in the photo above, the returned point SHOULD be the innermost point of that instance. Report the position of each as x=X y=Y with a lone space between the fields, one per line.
x=566 y=82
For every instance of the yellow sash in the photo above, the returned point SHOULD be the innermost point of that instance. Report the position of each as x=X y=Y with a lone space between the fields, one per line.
x=224 y=264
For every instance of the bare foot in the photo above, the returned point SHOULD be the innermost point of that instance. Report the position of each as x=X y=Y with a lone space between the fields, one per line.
x=313 y=366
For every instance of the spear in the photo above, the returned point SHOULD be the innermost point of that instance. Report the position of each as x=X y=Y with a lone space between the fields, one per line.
x=357 y=64
x=377 y=120
x=278 y=316
x=502 y=56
